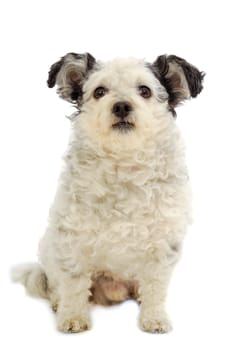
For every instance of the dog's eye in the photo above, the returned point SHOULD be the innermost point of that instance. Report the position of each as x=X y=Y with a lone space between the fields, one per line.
x=100 y=92
x=144 y=91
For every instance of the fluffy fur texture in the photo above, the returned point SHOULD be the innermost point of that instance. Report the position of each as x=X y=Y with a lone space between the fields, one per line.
x=123 y=202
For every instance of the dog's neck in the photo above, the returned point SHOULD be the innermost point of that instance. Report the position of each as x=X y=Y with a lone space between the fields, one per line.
x=161 y=160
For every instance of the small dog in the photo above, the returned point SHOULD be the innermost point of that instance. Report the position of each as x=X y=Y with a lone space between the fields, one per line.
x=123 y=203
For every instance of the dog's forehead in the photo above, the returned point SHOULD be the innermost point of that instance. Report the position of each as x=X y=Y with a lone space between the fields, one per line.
x=124 y=66
x=123 y=72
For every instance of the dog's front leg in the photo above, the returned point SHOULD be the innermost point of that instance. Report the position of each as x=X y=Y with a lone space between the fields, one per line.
x=153 y=291
x=73 y=310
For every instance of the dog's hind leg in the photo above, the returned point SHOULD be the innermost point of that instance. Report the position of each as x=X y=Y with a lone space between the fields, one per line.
x=36 y=282
x=33 y=277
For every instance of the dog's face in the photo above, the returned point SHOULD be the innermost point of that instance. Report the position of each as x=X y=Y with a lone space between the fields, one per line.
x=123 y=102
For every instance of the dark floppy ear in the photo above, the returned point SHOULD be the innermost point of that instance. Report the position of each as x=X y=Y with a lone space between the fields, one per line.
x=181 y=79
x=69 y=74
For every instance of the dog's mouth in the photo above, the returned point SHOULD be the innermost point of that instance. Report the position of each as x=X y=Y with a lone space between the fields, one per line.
x=123 y=126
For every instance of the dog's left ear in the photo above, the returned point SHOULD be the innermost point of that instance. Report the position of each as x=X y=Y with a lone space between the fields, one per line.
x=69 y=74
x=181 y=79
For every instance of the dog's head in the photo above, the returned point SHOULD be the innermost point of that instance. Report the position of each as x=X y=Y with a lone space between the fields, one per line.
x=123 y=101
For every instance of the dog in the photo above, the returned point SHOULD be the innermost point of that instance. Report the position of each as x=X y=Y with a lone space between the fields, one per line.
x=123 y=204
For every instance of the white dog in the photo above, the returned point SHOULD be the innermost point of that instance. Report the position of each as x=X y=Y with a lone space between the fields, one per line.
x=123 y=203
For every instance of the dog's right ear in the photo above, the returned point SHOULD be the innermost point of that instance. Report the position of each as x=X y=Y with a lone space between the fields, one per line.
x=69 y=75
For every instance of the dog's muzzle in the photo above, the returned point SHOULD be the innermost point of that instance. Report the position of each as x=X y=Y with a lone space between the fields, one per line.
x=121 y=110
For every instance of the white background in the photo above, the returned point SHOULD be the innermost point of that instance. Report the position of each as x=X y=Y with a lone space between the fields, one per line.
x=34 y=134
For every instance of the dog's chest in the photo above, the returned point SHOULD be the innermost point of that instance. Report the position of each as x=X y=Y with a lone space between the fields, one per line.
x=116 y=212
x=117 y=202
x=115 y=191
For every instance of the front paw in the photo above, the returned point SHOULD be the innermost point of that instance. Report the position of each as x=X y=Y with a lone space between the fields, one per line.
x=157 y=323
x=75 y=324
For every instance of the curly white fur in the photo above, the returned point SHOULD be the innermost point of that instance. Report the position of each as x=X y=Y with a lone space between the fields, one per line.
x=123 y=201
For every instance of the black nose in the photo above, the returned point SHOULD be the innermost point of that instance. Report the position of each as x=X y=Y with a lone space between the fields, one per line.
x=122 y=109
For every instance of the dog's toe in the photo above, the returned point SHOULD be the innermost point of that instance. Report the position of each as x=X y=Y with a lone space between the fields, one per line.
x=54 y=306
